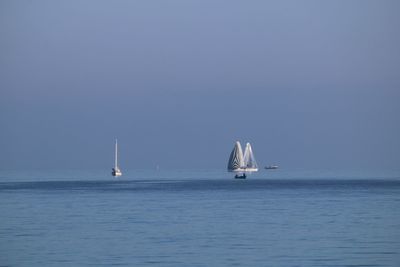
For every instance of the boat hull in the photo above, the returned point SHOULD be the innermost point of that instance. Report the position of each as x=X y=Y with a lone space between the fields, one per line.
x=251 y=169
x=237 y=170
x=244 y=170
x=116 y=172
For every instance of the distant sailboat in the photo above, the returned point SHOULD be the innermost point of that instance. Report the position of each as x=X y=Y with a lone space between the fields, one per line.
x=116 y=171
x=242 y=164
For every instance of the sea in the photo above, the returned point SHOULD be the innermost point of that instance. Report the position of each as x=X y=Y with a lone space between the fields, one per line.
x=199 y=218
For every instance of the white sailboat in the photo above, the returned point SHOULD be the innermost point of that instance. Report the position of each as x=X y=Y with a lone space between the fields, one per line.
x=116 y=171
x=242 y=164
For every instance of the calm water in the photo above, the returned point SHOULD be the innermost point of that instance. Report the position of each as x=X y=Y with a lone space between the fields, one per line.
x=199 y=218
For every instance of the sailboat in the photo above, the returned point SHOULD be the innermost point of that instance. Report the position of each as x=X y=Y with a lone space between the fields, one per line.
x=116 y=171
x=241 y=164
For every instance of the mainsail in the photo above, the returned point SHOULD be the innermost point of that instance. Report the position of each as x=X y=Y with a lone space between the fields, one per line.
x=116 y=171
x=116 y=155
x=250 y=163
x=236 y=162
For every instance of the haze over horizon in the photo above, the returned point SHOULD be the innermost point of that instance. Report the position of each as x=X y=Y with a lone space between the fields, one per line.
x=310 y=84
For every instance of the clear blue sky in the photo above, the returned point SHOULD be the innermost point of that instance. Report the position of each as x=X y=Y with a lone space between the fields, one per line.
x=311 y=84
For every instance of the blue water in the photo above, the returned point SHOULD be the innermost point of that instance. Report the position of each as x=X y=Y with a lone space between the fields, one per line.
x=199 y=218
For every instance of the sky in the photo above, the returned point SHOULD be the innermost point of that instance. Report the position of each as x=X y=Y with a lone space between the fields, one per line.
x=310 y=84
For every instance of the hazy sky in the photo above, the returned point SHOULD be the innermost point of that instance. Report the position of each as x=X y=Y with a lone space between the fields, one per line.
x=311 y=84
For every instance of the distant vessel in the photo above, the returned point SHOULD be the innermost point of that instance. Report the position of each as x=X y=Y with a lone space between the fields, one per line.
x=116 y=171
x=242 y=164
x=240 y=176
x=271 y=167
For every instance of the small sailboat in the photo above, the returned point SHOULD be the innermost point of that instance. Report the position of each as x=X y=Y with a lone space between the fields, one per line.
x=116 y=171
x=242 y=164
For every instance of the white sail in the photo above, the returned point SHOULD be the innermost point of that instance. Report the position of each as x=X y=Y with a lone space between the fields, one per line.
x=236 y=163
x=250 y=163
x=116 y=171
x=116 y=154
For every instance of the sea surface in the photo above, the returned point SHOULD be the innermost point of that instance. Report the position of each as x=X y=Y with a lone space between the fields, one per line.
x=199 y=218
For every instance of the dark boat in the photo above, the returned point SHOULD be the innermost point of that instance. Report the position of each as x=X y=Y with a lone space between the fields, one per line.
x=240 y=176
